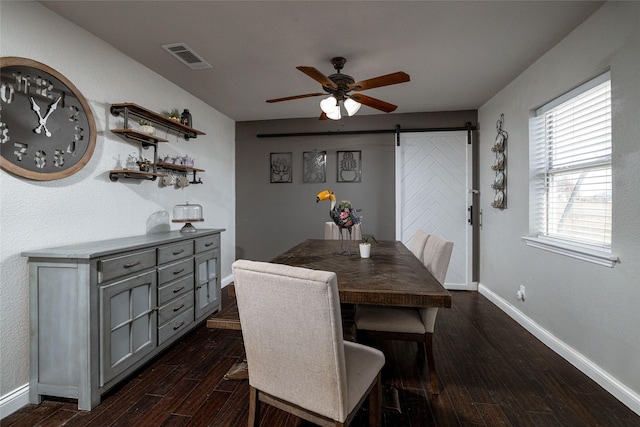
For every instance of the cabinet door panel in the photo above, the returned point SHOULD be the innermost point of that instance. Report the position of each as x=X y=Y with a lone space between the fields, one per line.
x=207 y=283
x=128 y=327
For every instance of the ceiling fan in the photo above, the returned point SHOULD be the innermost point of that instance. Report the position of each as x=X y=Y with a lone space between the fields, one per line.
x=340 y=85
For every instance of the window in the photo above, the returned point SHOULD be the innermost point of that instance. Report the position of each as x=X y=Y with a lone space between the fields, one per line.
x=570 y=141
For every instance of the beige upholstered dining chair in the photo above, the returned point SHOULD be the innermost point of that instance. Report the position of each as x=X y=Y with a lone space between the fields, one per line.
x=332 y=232
x=297 y=358
x=406 y=323
x=418 y=242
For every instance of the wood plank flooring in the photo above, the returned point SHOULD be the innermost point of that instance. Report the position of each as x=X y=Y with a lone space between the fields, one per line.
x=493 y=371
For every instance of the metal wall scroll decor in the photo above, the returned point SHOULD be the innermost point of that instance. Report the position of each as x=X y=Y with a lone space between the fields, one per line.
x=349 y=166
x=314 y=166
x=500 y=166
x=281 y=168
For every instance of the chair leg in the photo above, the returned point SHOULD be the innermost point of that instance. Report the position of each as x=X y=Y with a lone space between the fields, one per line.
x=375 y=402
x=254 y=408
x=435 y=385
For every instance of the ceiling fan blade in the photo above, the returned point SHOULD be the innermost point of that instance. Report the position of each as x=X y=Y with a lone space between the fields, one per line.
x=374 y=103
x=386 y=80
x=289 y=98
x=318 y=76
x=323 y=116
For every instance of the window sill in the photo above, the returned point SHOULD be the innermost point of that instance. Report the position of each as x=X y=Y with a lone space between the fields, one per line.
x=583 y=253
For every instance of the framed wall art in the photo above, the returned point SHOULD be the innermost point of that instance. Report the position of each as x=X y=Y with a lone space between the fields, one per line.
x=349 y=166
x=280 y=168
x=314 y=165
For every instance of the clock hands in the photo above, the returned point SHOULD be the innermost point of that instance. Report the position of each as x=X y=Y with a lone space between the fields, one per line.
x=43 y=120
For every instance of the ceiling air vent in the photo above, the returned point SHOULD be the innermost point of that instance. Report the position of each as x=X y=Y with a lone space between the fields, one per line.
x=187 y=56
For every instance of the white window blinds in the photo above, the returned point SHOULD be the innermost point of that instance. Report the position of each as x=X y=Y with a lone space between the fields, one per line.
x=571 y=161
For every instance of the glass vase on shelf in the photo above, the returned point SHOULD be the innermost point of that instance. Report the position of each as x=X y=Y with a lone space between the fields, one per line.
x=186 y=119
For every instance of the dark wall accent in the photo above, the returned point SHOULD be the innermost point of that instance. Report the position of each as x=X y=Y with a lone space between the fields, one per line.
x=271 y=218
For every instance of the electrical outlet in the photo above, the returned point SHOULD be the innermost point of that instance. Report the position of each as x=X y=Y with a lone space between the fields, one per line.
x=520 y=293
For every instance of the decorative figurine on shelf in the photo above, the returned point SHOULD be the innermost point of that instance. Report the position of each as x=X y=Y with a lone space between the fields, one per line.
x=143 y=164
x=343 y=215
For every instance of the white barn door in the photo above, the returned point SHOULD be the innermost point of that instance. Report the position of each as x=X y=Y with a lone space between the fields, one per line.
x=433 y=193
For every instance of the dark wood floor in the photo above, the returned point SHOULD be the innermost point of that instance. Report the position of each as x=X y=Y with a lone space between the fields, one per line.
x=493 y=371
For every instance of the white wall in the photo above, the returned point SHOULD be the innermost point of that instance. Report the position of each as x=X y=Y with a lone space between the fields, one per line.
x=588 y=313
x=87 y=206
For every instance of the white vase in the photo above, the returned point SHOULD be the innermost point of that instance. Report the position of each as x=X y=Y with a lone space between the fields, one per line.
x=365 y=250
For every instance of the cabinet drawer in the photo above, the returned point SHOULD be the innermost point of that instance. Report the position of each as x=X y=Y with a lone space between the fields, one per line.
x=175 y=307
x=174 y=271
x=175 y=326
x=175 y=252
x=174 y=289
x=207 y=242
x=121 y=265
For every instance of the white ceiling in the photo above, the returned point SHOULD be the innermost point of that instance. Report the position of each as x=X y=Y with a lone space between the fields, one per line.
x=458 y=53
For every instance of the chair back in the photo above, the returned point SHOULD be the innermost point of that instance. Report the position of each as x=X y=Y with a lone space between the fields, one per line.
x=436 y=257
x=292 y=331
x=332 y=232
x=418 y=242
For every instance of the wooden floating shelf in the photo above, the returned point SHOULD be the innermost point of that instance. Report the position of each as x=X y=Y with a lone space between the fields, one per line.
x=130 y=109
x=180 y=168
x=114 y=175
x=142 y=137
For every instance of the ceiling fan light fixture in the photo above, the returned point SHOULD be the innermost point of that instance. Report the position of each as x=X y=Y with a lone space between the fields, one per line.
x=335 y=114
x=351 y=106
x=329 y=105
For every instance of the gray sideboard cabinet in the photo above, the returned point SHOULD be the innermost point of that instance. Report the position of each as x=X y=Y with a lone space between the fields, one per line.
x=100 y=310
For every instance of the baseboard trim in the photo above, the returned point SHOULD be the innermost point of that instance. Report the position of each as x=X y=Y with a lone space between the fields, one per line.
x=461 y=287
x=620 y=391
x=226 y=280
x=14 y=400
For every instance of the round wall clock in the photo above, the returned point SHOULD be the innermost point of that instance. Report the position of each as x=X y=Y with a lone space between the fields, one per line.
x=47 y=129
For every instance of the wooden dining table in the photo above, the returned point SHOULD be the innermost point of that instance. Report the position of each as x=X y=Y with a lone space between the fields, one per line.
x=391 y=276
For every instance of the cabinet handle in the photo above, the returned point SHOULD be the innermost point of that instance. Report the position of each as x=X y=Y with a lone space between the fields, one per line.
x=178 y=252
x=206 y=245
x=178 y=271
x=178 y=326
x=176 y=290
x=178 y=308
x=133 y=264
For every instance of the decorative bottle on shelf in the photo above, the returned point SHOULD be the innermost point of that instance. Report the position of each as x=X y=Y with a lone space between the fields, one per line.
x=185 y=118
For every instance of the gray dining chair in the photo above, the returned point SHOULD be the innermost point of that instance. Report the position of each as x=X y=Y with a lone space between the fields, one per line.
x=297 y=358
x=407 y=323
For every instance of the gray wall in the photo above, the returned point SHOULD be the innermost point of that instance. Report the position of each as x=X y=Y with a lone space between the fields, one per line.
x=271 y=218
x=586 y=312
